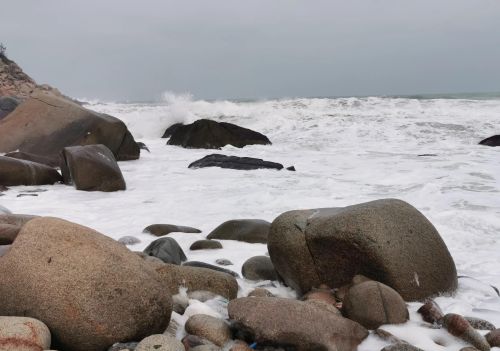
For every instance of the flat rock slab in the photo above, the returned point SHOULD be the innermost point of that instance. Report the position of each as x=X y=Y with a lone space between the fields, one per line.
x=164 y=229
x=234 y=162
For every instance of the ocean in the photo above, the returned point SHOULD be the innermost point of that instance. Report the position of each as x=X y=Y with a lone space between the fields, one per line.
x=421 y=149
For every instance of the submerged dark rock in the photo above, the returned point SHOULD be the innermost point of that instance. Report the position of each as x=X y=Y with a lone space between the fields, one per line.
x=234 y=162
x=208 y=134
x=491 y=141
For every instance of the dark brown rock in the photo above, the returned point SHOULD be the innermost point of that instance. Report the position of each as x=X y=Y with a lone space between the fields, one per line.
x=481 y=324
x=45 y=124
x=431 y=312
x=373 y=304
x=493 y=338
x=208 y=134
x=206 y=245
x=295 y=323
x=246 y=230
x=170 y=130
x=459 y=327
x=210 y=328
x=234 y=162
x=92 y=168
x=195 y=278
x=385 y=240
x=34 y=158
x=259 y=268
x=19 y=172
x=90 y=290
x=164 y=229
x=491 y=141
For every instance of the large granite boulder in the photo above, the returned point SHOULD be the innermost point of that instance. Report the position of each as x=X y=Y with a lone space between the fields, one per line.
x=246 y=230
x=304 y=326
x=20 y=172
x=23 y=334
x=491 y=141
x=208 y=134
x=90 y=290
x=197 y=278
x=7 y=105
x=386 y=240
x=91 y=168
x=45 y=124
x=234 y=162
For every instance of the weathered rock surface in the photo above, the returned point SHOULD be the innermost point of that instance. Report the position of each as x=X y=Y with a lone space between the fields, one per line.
x=205 y=245
x=167 y=250
x=459 y=327
x=491 y=141
x=7 y=105
x=493 y=338
x=401 y=346
x=299 y=324
x=259 y=268
x=164 y=229
x=34 y=158
x=210 y=328
x=386 y=240
x=45 y=124
x=160 y=342
x=23 y=334
x=234 y=162
x=373 y=304
x=196 y=278
x=90 y=290
x=246 y=230
x=481 y=324
x=19 y=172
x=208 y=134
x=92 y=168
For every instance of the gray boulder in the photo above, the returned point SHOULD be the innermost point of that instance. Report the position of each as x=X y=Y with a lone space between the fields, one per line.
x=259 y=268
x=167 y=250
x=164 y=229
x=386 y=240
x=246 y=230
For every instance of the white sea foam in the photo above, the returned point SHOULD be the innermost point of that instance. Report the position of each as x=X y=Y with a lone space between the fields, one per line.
x=346 y=151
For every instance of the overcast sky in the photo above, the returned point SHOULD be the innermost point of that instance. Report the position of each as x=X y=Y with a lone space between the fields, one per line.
x=135 y=50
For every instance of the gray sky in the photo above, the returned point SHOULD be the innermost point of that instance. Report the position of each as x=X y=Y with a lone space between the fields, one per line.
x=135 y=50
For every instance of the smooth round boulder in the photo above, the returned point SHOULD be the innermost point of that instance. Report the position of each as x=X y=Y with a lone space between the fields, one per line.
x=164 y=229
x=44 y=124
x=246 y=230
x=196 y=278
x=373 y=304
x=210 y=328
x=23 y=334
x=205 y=245
x=301 y=325
x=385 y=240
x=208 y=134
x=90 y=290
x=167 y=250
x=259 y=268
x=160 y=342
x=91 y=168
x=20 y=172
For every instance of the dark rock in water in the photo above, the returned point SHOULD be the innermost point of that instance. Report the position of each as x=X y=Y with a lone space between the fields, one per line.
x=124 y=346
x=291 y=168
x=246 y=230
x=481 y=324
x=7 y=105
x=431 y=312
x=301 y=325
x=401 y=346
x=197 y=278
x=92 y=168
x=493 y=338
x=210 y=266
x=20 y=172
x=259 y=268
x=461 y=328
x=422 y=155
x=167 y=250
x=23 y=195
x=171 y=130
x=234 y=162
x=45 y=124
x=223 y=262
x=373 y=304
x=208 y=134
x=206 y=245
x=164 y=229
x=491 y=141
x=128 y=240
x=386 y=240
x=51 y=162
x=142 y=146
